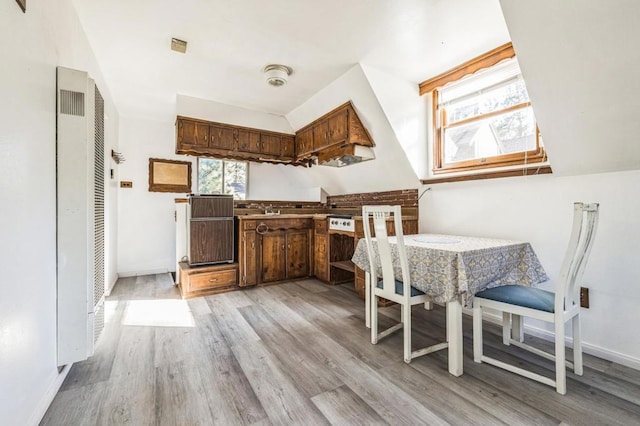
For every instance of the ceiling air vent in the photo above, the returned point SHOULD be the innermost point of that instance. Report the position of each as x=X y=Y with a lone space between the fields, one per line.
x=71 y=103
x=179 y=45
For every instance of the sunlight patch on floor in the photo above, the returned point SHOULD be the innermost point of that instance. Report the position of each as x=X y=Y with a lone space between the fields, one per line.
x=158 y=313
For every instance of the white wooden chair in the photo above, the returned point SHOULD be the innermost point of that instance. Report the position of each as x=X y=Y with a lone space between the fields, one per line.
x=518 y=301
x=388 y=287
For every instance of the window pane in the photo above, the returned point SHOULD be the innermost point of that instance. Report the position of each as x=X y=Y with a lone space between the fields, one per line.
x=502 y=134
x=494 y=99
x=235 y=179
x=209 y=176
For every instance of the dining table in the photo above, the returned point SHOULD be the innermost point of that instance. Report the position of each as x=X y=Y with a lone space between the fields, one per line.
x=450 y=269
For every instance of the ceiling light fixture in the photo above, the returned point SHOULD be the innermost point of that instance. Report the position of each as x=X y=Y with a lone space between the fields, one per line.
x=277 y=75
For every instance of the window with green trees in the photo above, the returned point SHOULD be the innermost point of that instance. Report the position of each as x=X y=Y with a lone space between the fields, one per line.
x=222 y=177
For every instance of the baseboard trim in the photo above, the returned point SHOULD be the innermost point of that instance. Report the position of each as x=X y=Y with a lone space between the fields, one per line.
x=589 y=348
x=110 y=287
x=50 y=394
x=139 y=273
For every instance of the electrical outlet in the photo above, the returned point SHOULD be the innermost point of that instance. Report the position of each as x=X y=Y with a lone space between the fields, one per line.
x=584 y=297
x=126 y=184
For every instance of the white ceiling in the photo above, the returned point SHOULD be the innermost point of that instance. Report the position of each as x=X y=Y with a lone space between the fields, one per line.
x=230 y=41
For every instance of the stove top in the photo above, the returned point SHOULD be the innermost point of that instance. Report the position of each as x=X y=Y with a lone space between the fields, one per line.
x=343 y=223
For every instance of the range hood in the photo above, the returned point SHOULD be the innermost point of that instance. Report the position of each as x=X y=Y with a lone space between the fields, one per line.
x=345 y=155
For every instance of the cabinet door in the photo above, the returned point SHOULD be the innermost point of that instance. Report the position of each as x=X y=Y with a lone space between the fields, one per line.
x=288 y=146
x=192 y=134
x=248 y=265
x=249 y=141
x=339 y=126
x=297 y=254
x=222 y=138
x=271 y=144
x=210 y=241
x=273 y=257
x=321 y=257
x=304 y=142
x=320 y=135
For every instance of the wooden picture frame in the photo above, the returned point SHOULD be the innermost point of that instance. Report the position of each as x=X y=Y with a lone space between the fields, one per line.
x=169 y=176
x=23 y=5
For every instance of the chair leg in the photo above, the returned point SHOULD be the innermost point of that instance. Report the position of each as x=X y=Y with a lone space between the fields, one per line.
x=402 y=307
x=577 y=346
x=561 y=372
x=367 y=299
x=506 y=328
x=517 y=328
x=428 y=306
x=406 y=326
x=477 y=333
x=374 y=319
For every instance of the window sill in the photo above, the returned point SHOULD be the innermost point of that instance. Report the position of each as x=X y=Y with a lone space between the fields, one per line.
x=490 y=175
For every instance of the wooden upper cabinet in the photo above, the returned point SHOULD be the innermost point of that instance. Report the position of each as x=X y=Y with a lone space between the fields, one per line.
x=271 y=144
x=321 y=135
x=338 y=125
x=221 y=137
x=219 y=140
x=249 y=141
x=192 y=134
x=288 y=148
x=304 y=142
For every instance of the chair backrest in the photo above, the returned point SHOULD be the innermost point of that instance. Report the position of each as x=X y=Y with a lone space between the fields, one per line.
x=585 y=223
x=381 y=250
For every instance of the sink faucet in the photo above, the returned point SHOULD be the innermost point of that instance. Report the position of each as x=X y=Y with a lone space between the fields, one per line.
x=269 y=210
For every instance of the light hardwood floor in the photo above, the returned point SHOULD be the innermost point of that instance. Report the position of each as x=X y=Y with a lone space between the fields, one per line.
x=299 y=353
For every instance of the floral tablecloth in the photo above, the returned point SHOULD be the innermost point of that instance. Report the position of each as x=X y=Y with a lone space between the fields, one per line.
x=447 y=267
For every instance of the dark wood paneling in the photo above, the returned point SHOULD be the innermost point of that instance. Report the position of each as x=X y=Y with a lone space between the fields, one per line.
x=211 y=206
x=211 y=241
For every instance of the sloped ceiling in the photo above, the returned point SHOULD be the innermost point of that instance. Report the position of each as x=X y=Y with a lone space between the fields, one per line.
x=580 y=63
x=231 y=41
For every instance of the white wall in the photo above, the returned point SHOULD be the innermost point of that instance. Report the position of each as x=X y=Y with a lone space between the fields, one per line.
x=538 y=209
x=32 y=45
x=577 y=59
x=146 y=226
x=390 y=170
x=407 y=113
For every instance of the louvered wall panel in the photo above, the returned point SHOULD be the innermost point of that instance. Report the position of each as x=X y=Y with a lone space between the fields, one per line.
x=99 y=278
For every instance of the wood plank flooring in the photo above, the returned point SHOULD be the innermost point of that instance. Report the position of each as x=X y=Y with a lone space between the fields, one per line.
x=299 y=353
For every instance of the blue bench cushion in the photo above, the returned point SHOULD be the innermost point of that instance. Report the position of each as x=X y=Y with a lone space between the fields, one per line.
x=400 y=289
x=520 y=295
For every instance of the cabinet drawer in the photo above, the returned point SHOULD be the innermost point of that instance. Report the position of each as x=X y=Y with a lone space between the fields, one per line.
x=321 y=226
x=249 y=224
x=209 y=280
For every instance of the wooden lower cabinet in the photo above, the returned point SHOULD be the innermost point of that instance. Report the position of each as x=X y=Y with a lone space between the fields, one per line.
x=272 y=250
x=285 y=255
x=273 y=257
x=202 y=280
x=248 y=251
x=321 y=257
